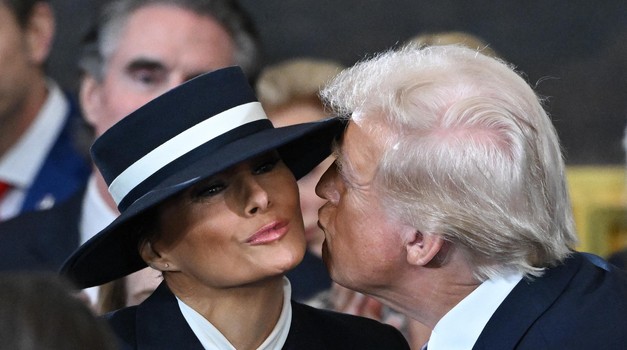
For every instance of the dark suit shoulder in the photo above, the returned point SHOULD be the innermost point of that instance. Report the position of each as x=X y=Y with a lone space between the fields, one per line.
x=580 y=304
x=324 y=329
x=41 y=240
x=619 y=259
x=122 y=322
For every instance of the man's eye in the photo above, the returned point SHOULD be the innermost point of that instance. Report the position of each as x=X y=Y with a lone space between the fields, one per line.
x=147 y=76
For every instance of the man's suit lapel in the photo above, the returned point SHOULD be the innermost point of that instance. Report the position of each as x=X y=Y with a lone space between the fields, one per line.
x=63 y=172
x=63 y=235
x=160 y=324
x=525 y=304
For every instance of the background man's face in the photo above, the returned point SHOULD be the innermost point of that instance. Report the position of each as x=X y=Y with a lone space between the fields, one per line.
x=161 y=47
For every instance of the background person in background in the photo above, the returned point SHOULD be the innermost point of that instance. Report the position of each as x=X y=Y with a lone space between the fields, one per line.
x=619 y=258
x=141 y=49
x=41 y=159
x=447 y=201
x=210 y=199
x=465 y=39
x=127 y=291
x=37 y=311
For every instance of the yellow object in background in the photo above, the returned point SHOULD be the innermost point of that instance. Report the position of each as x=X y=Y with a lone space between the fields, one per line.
x=599 y=200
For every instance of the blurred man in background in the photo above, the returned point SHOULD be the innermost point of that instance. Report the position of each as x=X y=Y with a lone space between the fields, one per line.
x=41 y=161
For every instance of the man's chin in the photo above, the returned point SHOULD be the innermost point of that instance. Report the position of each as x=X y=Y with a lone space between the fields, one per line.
x=326 y=256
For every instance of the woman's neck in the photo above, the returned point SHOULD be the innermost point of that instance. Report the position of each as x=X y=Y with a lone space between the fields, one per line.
x=245 y=315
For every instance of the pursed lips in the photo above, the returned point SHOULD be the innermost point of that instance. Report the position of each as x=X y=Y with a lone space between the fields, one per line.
x=269 y=233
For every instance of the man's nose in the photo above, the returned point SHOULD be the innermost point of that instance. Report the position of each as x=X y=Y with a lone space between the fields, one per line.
x=326 y=186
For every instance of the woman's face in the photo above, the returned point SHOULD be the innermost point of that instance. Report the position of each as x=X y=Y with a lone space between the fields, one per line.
x=235 y=228
x=295 y=112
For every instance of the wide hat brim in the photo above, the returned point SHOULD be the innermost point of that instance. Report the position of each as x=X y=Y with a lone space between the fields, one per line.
x=114 y=252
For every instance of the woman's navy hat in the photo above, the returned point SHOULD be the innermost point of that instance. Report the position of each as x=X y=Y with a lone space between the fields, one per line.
x=190 y=133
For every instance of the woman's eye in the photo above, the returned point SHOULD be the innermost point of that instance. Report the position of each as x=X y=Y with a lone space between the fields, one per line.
x=266 y=166
x=210 y=190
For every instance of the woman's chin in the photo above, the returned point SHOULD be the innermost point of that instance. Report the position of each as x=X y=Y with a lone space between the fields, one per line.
x=289 y=260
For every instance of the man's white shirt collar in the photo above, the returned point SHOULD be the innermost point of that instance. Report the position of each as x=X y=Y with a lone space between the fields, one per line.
x=21 y=164
x=211 y=338
x=461 y=326
x=95 y=215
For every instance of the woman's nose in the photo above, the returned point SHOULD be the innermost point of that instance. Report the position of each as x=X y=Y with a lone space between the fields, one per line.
x=256 y=196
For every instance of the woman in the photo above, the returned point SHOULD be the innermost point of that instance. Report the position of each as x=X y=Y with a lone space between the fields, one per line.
x=206 y=187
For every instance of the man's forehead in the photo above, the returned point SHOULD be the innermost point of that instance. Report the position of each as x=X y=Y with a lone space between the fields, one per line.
x=358 y=153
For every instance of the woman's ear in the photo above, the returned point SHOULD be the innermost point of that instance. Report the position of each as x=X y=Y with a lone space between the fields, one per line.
x=424 y=248
x=153 y=258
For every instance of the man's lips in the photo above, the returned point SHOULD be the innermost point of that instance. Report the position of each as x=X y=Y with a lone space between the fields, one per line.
x=269 y=233
x=320 y=226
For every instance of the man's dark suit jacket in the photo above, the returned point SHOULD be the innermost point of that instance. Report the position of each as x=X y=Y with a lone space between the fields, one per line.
x=157 y=323
x=619 y=259
x=41 y=240
x=581 y=304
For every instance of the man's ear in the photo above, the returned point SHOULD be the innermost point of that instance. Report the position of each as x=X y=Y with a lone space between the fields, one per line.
x=40 y=32
x=90 y=99
x=154 y=259
x=423 y=249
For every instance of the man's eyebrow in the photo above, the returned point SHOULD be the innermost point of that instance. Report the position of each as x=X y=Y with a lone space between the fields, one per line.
x=144 y=63
x=341 y=163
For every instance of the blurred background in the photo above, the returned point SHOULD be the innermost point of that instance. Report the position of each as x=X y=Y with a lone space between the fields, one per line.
x=574 y=52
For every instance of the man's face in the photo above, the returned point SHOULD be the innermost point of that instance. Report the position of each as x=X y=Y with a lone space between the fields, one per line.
x=363 y=248
x=22 y=54
x=160 y=47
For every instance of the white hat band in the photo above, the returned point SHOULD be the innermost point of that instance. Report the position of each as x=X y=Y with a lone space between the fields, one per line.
x=181 y=144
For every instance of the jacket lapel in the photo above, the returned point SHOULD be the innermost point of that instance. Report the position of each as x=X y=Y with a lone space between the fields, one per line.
x=160 y=324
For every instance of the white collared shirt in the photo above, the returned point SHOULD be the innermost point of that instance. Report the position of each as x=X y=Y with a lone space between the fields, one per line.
x=211 y=338
x=460 y=328
x=22 y=162
x=95 y=216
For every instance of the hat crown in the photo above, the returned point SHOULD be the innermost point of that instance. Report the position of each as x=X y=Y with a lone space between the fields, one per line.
x=164 y=119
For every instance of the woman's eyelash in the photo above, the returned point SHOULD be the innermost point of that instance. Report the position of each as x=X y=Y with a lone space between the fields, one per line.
x=209 y=190
x=266 y=166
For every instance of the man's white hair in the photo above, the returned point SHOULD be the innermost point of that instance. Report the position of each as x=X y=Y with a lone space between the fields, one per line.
x=469 y=154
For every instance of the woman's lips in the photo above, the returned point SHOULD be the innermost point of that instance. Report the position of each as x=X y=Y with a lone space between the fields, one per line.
x=269 y=233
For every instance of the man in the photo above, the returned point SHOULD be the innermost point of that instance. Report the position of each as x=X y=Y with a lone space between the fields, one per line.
x=143 y=49
x=41 y=161
x=448 y=202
